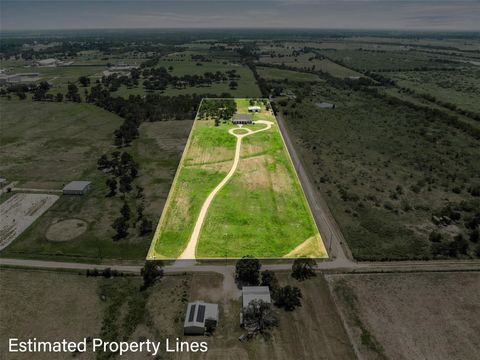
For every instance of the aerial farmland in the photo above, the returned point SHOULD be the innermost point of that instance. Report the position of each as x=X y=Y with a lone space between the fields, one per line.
x=236 y=192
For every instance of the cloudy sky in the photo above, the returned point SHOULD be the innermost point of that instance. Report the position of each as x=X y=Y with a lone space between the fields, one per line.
x=322 y=14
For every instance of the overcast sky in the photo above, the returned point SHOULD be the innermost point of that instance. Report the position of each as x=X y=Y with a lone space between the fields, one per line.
x=322 y=14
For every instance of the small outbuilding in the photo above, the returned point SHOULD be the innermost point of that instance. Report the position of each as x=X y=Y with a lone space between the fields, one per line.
x=242 y=119
x=3 y=182
x=250 y=293
x=77 y=188
x=326 y=105
x=254 y=108
x=198 y=314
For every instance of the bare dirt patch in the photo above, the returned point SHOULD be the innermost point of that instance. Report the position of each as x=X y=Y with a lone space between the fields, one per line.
x=411 y=316
x=19 y=212
x=66 y=230
x=312 y=247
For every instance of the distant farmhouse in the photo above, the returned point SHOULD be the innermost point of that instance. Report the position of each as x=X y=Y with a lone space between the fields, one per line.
x=242 y=119
x=325 y=105
x=198 y=314
x=51 y=62
x=254 y=109
x=76 y=188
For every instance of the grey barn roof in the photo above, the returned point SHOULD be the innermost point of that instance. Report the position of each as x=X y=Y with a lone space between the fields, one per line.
x=325 y=105
x=242 y=117
x=250 y=293
x=76 y=186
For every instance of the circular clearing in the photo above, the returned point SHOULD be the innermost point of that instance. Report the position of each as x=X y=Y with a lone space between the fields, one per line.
x=66 y=230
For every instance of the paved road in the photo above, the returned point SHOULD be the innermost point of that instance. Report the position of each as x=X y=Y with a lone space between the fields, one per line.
x=329 y=229
x=181 y=266
x=190 y=251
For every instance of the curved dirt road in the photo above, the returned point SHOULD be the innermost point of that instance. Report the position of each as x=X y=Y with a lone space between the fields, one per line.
x=189 y=251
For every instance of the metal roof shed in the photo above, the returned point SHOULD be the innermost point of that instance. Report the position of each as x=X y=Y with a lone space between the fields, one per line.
x=198 y=313
x=77 y=188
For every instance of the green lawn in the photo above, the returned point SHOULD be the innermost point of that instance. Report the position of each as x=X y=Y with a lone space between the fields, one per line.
x=261 y=211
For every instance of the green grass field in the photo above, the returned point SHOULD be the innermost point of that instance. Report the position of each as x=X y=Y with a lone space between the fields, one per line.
x=280 y=74
x=261 y=211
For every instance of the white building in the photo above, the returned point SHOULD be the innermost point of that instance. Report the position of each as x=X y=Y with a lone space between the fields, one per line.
x=51 y=62
x=198 y=313
x=254 y=108
x=250 y=293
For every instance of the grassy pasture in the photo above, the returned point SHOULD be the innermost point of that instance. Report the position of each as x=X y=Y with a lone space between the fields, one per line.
x=262 y=211
x=45 y=145
x=280 y=74
x=306 y=61
x=183 y=64
x=386 y=60
x=460 y=87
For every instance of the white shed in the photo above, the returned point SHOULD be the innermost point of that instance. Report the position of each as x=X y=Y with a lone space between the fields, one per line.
x=76 y=188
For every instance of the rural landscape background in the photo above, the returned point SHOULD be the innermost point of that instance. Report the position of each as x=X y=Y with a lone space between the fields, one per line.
x=383 y=128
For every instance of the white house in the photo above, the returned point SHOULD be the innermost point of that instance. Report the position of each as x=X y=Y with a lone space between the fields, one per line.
x=250 y=293
x=254 y=108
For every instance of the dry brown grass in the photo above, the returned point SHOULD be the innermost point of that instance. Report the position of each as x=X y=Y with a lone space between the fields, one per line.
x=413 y=316
x=48 y=306
x=262 y=172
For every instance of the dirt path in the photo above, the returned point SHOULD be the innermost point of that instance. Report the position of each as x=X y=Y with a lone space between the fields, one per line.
x=189 y=251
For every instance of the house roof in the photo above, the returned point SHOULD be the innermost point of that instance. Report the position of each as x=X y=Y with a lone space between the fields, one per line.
x=255 y=107
x=250 y=293
x=242 y=117
x=198 y=312
x=325 y=105
x=76 y=185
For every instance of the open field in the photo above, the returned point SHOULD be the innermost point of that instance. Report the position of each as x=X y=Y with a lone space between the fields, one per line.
x=459 y=87
x=115 y=309
x=181 y=64
x=19 y=212
x=411 y=316
x=45 y=145
x=48 y=306
x=63 y=143
x=261 y=211
x=309 y=62
x=279 y=74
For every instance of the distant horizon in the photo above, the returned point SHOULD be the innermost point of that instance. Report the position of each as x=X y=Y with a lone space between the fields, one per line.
x=352 y=15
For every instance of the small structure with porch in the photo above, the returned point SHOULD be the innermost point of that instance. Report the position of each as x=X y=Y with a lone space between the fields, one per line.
x=254 y=108
x=242 y=119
